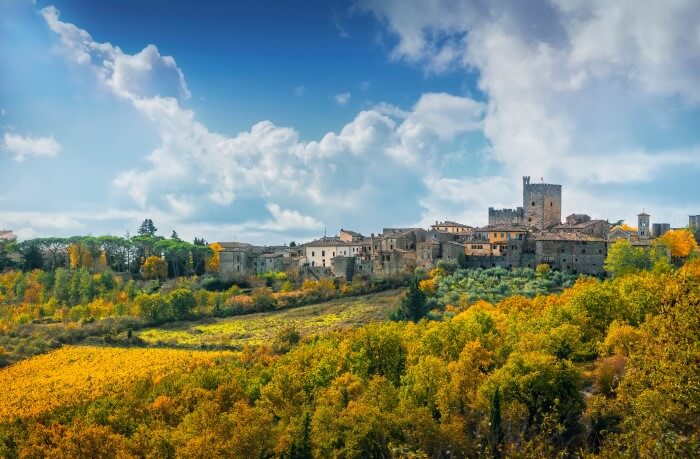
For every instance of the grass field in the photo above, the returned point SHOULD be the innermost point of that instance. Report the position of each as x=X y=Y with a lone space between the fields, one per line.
x=261 y=328
x=76 y=374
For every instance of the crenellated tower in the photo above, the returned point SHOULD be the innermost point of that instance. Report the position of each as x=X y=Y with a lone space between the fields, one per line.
x=542 y=204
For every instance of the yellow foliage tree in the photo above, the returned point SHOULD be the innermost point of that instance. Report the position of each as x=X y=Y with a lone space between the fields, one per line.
x=154 y=268
x=214 y=262
x=79 y=256
x=681 y=242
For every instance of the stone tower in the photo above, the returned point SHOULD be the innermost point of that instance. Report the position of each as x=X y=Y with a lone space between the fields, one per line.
x=643 y=225
x=542 y=203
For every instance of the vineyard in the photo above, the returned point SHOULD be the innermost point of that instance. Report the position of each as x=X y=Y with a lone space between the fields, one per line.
x=74 y=375
x=261 y=328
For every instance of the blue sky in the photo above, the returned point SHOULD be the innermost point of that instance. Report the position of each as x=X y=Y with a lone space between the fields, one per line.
x=271 y=121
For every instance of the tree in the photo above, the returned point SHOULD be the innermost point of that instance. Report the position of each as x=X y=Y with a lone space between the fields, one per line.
x=79 y=256
x=680 y=242
x=154 y=268
x=182 y=303
x=545 y=386
x=33 y=259
x=412 y=305
x=214 y=260
x=301 y=448
x=623 y=258
x=495 y=427
x=147 y=228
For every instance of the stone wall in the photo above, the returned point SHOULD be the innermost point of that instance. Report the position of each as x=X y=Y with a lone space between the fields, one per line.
x=577 y=257
x=542 y=203
x=506 y=216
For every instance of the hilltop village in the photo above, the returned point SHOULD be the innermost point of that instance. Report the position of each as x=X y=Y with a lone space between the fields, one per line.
x=526 y=236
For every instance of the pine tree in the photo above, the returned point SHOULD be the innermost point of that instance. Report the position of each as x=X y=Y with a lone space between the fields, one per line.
x=412 y=305
x=147 y=228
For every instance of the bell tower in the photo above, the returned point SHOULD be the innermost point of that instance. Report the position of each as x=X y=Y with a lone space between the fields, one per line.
x=643 y=230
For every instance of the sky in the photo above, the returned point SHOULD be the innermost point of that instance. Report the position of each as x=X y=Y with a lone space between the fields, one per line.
x=273 y=121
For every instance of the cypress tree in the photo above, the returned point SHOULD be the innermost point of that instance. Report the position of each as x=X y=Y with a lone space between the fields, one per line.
x=495 y=427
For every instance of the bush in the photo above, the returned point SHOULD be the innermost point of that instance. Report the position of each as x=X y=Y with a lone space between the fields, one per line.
x=182 y=303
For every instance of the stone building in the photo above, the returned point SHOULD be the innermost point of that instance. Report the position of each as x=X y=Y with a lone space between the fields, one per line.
x=428 y=252
x=576 y=253
x=350 y=236
x=582 y=223
x=542 y=203
x=321 y=251
x=506 y=216
x=453 y=250
x=7 y=235
x=694 y=221
x=451 y=227
x=659 y=229
x=643 y=227
x=241 y=259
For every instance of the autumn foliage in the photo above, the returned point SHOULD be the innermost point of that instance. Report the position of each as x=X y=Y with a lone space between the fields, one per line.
x=504 y=378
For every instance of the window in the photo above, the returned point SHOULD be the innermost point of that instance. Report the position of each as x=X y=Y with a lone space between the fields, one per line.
x=563 y=259
x=333 y=253
x=561 y=250
x=583 y=250
x=533 y=203
x=323 y=253
x=551 y=204
x=313 y=263
x=313 y=254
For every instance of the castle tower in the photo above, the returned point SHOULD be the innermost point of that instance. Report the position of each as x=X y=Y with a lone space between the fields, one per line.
x=643 y=225
x=542 y=203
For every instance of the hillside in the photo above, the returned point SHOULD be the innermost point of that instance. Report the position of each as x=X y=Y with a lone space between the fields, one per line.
x=261 y=328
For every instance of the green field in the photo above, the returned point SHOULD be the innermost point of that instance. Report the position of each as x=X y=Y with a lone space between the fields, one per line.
x=261 y=328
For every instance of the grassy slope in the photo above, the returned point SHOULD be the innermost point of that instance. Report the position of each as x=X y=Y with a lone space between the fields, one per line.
x=262 y=327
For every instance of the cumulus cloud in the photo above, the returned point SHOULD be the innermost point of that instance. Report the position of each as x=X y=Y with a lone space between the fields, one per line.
x=542 y=75
x=568 y=86
x=352 y=174
x=144 y=74
x=342 y=98
x=22 y=147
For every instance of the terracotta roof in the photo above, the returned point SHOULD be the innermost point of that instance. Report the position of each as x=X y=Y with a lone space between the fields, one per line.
x=566 y=236
x=332 y=242
x=351 y=233
x=504 y=227
x=234 y=245
x=578 y=225
x=450 y=223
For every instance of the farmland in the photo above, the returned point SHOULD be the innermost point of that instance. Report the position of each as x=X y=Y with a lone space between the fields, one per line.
x=260 y=328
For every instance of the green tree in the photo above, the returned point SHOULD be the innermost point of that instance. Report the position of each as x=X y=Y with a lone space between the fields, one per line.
x=301 y=447
x=412 y=305
x=182 y=303
x=495 y=426
x=147 y=228
x=623 y=258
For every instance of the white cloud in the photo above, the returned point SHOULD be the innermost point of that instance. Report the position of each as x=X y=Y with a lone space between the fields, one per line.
x=22 y=147
x=539 y=79
x=144 y=74
x=289 y=219
x=342 y=98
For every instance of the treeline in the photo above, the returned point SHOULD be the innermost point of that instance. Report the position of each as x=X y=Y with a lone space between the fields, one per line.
x=603 y=369
x=120 y=254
